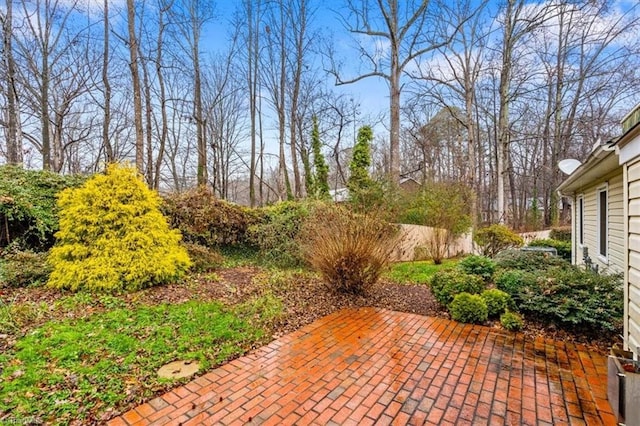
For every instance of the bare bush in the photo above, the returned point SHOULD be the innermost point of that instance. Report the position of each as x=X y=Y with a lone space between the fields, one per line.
x=349 y=250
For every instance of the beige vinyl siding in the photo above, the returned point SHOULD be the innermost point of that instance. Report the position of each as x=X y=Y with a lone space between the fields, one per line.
x=632 y=321
x=614 y=261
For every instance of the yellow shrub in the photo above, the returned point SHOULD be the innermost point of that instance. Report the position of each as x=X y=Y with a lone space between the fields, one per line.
x=113 y=236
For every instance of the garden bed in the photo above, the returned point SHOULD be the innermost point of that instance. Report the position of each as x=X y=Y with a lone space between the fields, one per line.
x=273 y=302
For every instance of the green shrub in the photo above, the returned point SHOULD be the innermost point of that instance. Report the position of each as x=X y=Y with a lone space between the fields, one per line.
x=448 y=283
x=349 y=250
x=497 y=301
x=203 y=219
x=481 y=266
x=495 y=238
x=562 y=247
x=528 y=261
x=515 y=282
x=275 y=234
x=468 y=308
x=574 y=298
x=561 y=233
x=23 y=268
x=113 y=236
x=443 y=206
x=511 y=321
x=28 y=211
x=204 y=258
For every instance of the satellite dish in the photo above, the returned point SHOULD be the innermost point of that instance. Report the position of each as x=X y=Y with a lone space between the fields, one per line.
x=569 y=165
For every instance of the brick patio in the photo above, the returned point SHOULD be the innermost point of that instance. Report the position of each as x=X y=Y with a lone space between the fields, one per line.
x=373 y=366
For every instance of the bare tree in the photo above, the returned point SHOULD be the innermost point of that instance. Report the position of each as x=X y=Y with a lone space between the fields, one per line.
x=251 y=15
x=407 y=30
x=456 y=80
x=518 y=23
x=135 y=80
x=189 y=18
x=14 y=140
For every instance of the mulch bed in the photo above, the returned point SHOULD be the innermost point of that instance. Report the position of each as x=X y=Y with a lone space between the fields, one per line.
x=304 y=296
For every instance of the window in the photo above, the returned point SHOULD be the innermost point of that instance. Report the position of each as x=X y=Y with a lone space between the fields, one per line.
x=602 y=221
x=580 y=221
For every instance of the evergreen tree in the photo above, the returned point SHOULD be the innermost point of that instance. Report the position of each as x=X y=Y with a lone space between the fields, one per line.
x=321 y=179
x=113 y=236
x=359 y=178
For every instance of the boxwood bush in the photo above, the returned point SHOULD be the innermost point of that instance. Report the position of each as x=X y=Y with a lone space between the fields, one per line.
x=446 y=284
x=497 y=301
x=511 y=321
x=468 y=308
x=478 y=265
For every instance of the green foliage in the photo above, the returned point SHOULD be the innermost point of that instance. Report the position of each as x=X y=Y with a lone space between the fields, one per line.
x=28 y=210
x=446 y=284
x=439 y=205
x=576 y=299
x=113 y=237
x=365 y=193
x=417 y=272
x=203 y=219
x=468 y=308
x=443 y=206
x=561 y=233
x=564 y=295
x=528 y=261
x=562 y=247
x=204 y=258
x=276 y=230
x=497 y=301
x=60 y=375
x=23 y=268
x=511 y=321
x=361 y=161
x=349 y=250
x=513 y=282
x=320 y=186
x=495 y=238
x=478 y=265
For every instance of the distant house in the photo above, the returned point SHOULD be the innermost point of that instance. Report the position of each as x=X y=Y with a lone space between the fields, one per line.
x=407 y=185
x=605 y=194
x=339 y=195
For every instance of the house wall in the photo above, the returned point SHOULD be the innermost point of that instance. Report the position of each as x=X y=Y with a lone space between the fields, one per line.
x=632 y=290
x=614 y=263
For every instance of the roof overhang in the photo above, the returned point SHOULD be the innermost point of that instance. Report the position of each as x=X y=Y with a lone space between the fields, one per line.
x=600 y=163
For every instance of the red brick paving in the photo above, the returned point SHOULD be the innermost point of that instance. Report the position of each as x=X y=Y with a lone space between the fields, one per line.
x=373 y=366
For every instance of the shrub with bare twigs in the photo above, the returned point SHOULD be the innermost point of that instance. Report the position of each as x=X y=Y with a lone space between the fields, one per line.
x=349 y=250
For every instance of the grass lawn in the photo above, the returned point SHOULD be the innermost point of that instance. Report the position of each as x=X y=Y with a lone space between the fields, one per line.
x=418 y=272
x=76 y=368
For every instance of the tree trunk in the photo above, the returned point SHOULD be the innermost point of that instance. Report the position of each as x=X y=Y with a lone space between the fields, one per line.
x=163 y=97
x=135 y=79
x=108 y=147
x=14 y=143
